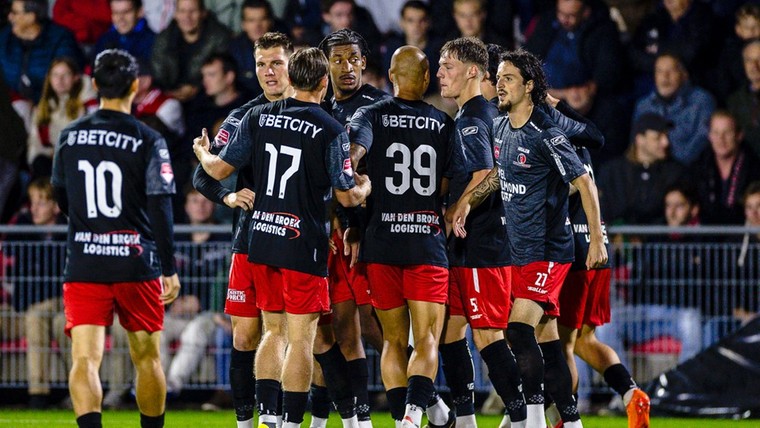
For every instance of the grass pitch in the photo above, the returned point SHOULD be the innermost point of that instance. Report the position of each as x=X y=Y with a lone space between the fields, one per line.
x=188 y=418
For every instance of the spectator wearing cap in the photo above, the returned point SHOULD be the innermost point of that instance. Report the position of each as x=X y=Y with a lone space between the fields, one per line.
x=632 y=187
x=130 y=30
x=180 y=50
x=28 y=46
x=689 y=107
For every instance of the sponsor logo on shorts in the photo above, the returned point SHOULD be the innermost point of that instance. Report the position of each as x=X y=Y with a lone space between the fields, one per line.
x=236 y=296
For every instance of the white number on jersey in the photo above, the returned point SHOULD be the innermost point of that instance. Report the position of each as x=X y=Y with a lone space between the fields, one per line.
x=295 y=163
x=95 y=188
x=423 y=161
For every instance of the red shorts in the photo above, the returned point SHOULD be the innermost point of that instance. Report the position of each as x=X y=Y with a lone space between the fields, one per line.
x=483 y=295
x=540 y=282
x=288 y=290
x=346 y=283
x=585 y=298
x=241 y=293
x=138 y=304
x=390 y=285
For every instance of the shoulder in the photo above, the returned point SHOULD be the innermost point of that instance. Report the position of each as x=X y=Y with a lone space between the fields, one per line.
x=701 y=97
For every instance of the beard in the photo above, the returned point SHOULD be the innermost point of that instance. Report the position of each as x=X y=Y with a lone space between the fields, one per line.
x=505 y=106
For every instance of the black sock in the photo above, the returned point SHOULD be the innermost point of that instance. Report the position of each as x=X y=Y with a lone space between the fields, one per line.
x=359 y=375
x=522 y=337
x=152 y=421
x=419 y=391
x=93 y=420
x=505 y=378
x=320 y=402
x=243 y=383
x=460 y=375
x=619 y=379
x=294 y=406
x=268 y=392
x=335 y=370
x=397 y=402
x=558 y=380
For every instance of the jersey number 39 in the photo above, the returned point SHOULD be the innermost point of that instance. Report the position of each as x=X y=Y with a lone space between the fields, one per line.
x=422 y=160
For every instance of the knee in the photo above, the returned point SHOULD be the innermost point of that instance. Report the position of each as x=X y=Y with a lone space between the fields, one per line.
x=85 y=363
x=245 y=341
x=520 y=335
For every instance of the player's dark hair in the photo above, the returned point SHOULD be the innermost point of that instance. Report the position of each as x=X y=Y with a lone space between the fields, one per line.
x=306 y=68
x=136 y=4
x=468 y=50
x=274 y=39
x=227 y=60
x=38 y=7
x=415 y=4
x=114 y=72
x=257 y=4
x=326 y=5
x=341 y=38
x=530 y=69
x=494 y=56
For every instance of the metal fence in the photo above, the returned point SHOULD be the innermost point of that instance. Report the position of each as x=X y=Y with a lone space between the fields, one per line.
x=674 y=292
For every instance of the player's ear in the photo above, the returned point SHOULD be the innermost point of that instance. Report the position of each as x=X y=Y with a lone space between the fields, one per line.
x=133 y=87
x=529 y=86
x=364 y=62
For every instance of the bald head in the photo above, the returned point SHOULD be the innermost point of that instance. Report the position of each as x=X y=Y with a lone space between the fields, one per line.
x=409 y=72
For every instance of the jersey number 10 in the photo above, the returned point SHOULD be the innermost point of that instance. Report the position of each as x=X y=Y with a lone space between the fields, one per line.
x=95 y=187
x=412 y=160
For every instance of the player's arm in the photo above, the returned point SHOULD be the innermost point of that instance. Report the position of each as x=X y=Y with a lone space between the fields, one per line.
x=356 y=153
x=597 y=252
x=580 y=130
x=472 y=199
x=356 y=195
x=216 y=168
x=160 y=214
x=214 y=191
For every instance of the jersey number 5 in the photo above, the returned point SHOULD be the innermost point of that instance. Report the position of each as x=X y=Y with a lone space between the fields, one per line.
x=411 y=161
x=96 y=186
x=295 y=162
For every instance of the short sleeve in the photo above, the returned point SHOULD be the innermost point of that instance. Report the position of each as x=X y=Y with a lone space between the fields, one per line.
x=476 y=141
x=560 y=155
x=360 y=128
x=57 y=177
x=338 y=163
x=159 y=176
x=569 y=127
x=237 y=152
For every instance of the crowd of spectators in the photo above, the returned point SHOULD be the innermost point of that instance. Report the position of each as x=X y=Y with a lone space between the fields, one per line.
x=672 y=84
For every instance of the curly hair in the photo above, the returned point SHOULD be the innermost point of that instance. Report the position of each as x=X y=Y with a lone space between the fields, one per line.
x=341 y=38
x=530 y=69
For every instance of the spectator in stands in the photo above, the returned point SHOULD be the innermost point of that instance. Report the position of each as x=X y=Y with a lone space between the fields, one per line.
x=584 y=60
x=730 y=76
x=687 y=106
x=499 y=17
x=220 y=94
x=683 y=26
x=723 y=172
x=744 y=104
x=67 y=95
x=159 y=14
x=257 y=19
x=11 y=150
x=304 y=17
x=470 y=19
x=340 y=14
x=189 y=319
x=87 y=19
x=632 y=187
x=29 y=45
x=179 y=51
x=227 y=12
x=36 y=274
x=415 y=25
x=130 y=30
x=163 y=113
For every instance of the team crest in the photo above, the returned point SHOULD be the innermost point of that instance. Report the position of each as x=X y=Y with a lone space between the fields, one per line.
x=496 y=151
x=166 y=172
x=521 y=159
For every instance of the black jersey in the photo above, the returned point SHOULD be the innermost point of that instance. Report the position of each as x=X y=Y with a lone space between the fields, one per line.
x=298 y=154
x=241 y=219
x=407 y=146
x=486 y=244
x=535 y=163
x=366 y=95
x=580 y=222
x=109 y=163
